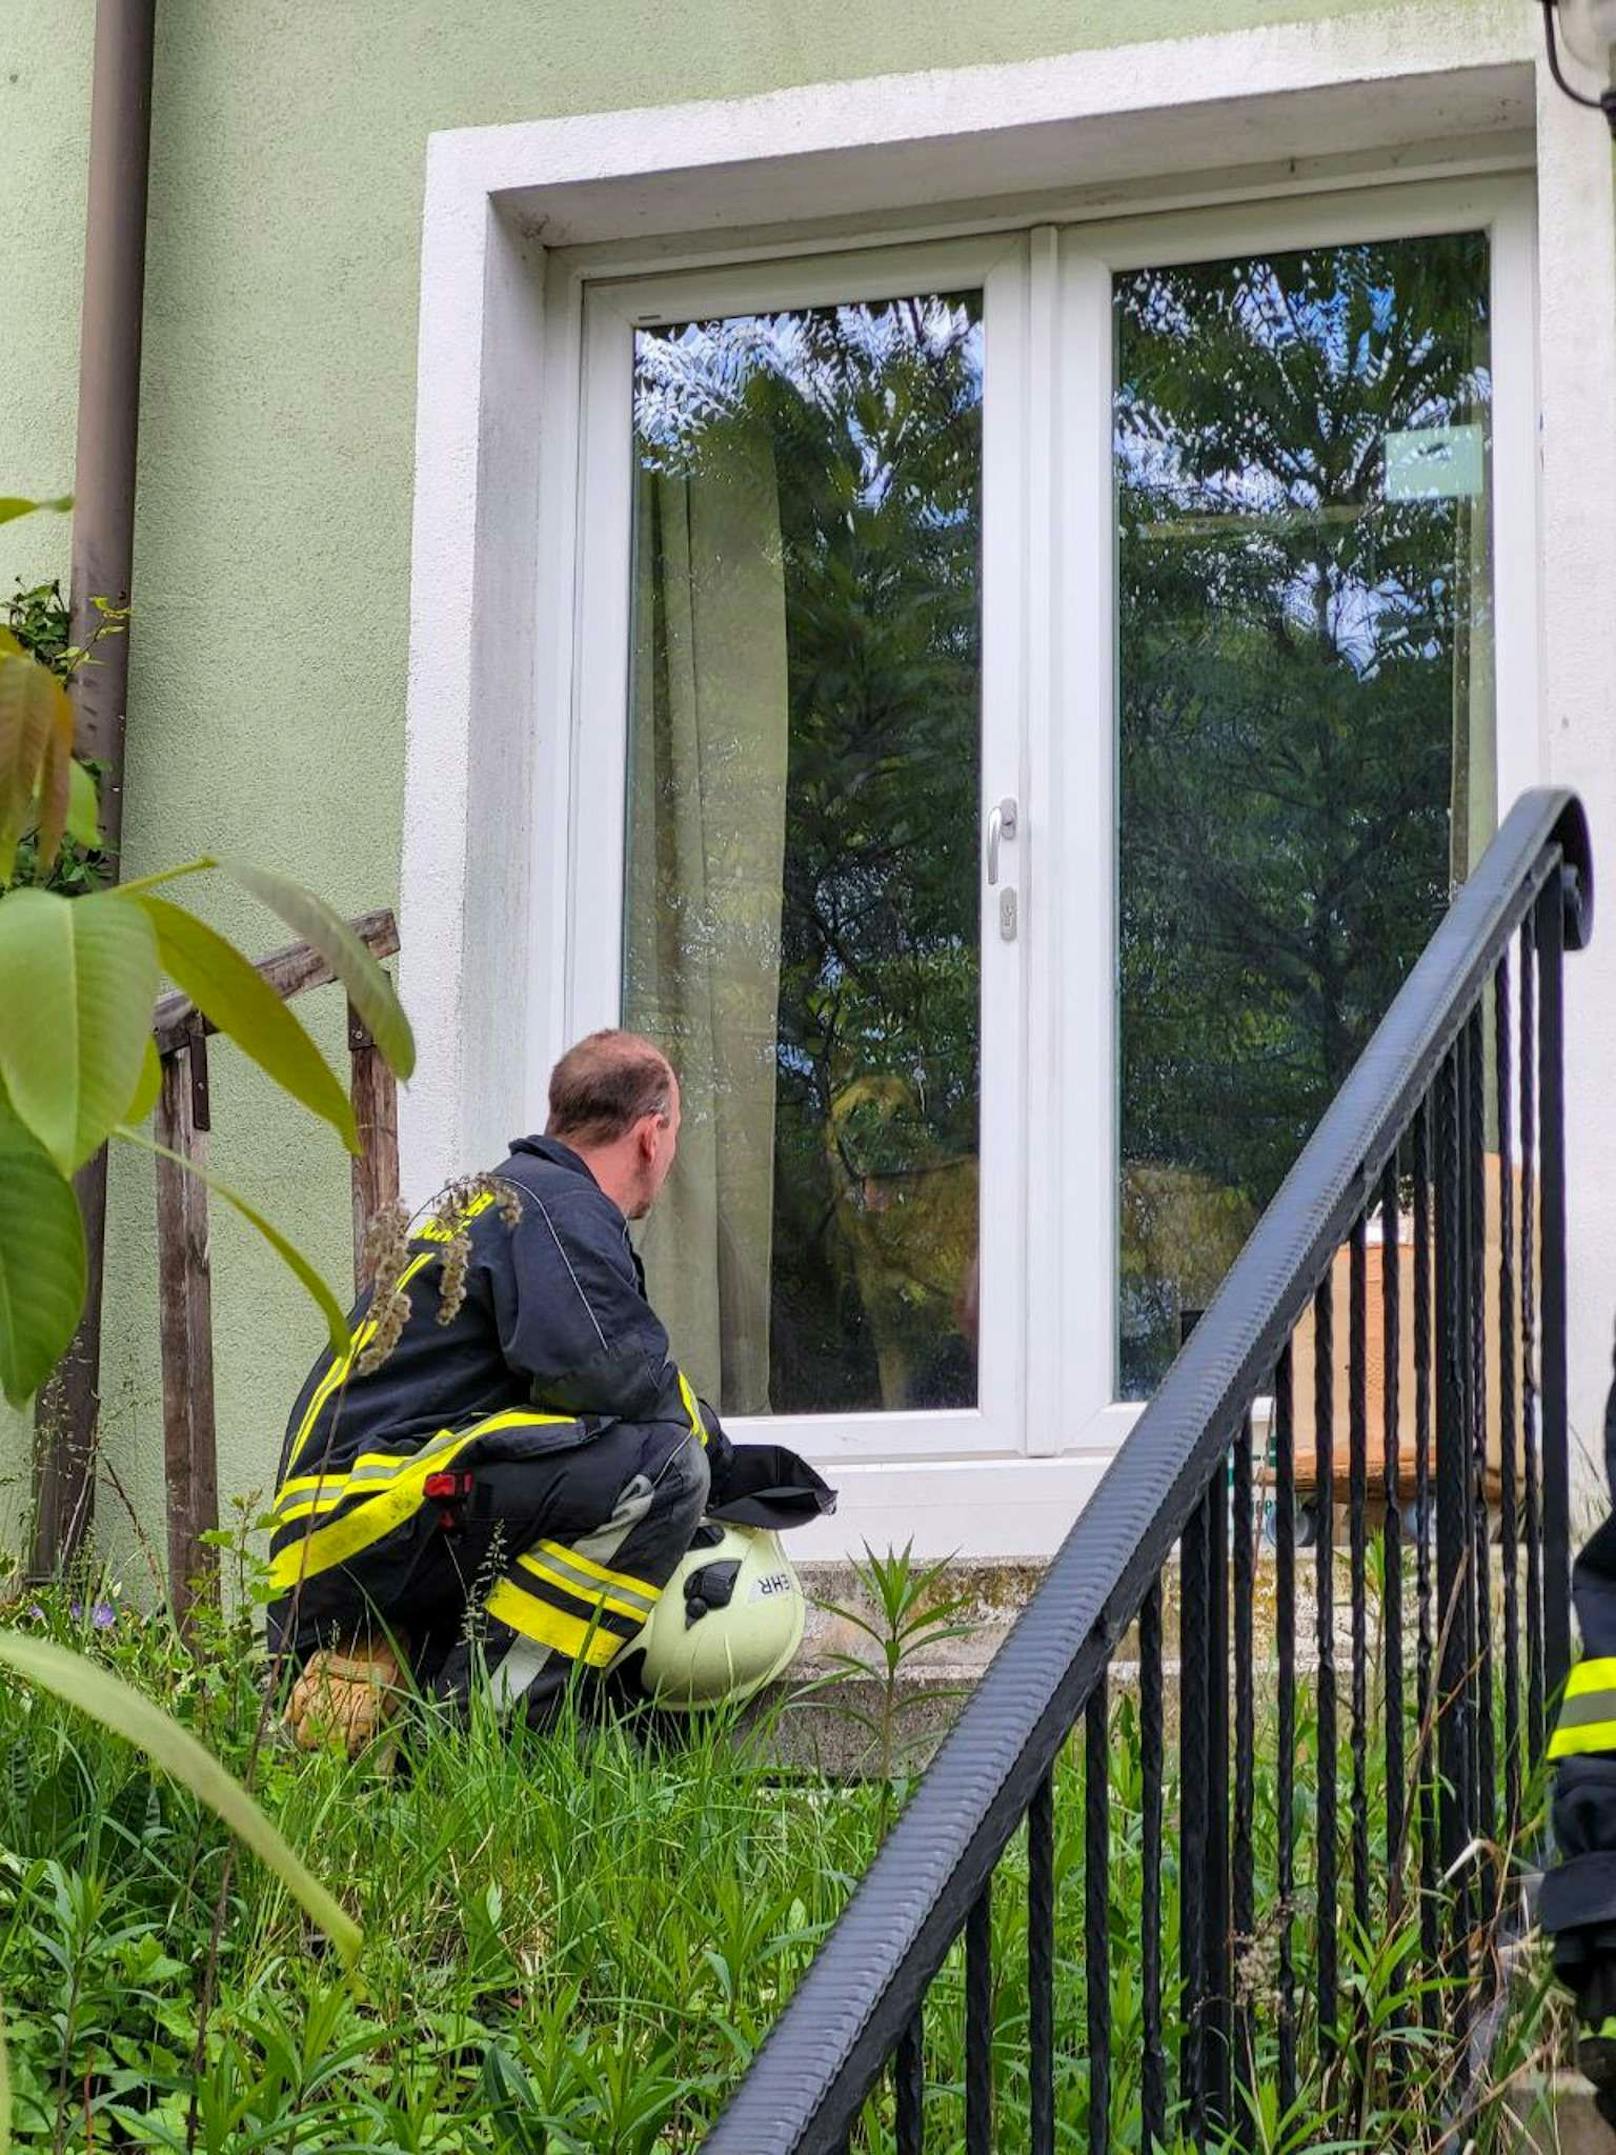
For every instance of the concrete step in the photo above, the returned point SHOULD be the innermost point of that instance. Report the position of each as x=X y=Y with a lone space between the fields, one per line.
x=840 y=1714
x=1555 y=2115
x=838 y=1684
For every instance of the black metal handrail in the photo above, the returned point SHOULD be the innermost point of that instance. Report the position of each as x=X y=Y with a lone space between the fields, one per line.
x=1412 y=1117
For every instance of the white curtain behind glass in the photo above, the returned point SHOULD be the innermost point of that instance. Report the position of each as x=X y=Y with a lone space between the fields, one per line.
x=707 y=798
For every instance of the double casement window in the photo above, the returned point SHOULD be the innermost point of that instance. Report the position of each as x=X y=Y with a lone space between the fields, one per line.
x=1028 y=699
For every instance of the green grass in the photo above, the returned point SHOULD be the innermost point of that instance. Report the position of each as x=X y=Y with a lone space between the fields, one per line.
x=574 y=1941
x=569 y=1927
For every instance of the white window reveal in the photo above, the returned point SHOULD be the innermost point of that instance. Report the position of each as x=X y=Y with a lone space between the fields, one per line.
x=1257 y=488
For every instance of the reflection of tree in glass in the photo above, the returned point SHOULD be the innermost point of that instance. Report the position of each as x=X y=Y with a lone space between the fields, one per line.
x=872 y=416
x=1300 y=658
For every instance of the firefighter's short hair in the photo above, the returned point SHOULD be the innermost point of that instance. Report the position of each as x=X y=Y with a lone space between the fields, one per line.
x=606 y=1084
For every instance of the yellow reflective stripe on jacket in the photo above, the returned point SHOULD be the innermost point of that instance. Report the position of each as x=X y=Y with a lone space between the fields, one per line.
x=337 y=1492
x=369 y=1466
x=698 y=1428
x=371 y=1470
x=382 y=1504
x=371 y=1518
x=1595 y=1674
x=1587 y=1720
x=337 y=1374
x=430 y=1231
x=437 y=1229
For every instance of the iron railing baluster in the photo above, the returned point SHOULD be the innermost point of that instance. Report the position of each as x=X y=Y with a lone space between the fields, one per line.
x=1423 y=1529
x=1391 y=1343
x=1484 y=1816
x=1531 y=1419
x=1508 y=1439
x=1243 y=2060
x=1285 y=1648
x=979 y=2024
x=1217 y=2018
x=1357 y=1533
x=1193 y=1815
x=1324 y=1609
x=1391 y=1592
x=1452 y=1509
x=909 y=2088
x=1153 y=2088
x=1552 y=1350
x=1041 y=1966
x=1097 y=1912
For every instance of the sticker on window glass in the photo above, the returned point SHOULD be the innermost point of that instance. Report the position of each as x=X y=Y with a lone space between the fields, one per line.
x=1433 y=463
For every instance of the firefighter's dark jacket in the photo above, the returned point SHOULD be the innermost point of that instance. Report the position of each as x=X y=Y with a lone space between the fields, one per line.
x=1578 y=1900
x=555 y=1319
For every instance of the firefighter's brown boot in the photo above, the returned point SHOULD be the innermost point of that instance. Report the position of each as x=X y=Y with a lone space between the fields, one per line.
x=344 y=1695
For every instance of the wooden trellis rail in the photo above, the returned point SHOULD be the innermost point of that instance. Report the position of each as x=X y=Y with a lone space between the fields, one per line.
x=184 y=1119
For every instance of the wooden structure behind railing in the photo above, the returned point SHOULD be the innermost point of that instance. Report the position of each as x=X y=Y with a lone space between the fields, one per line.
x=184 y=1120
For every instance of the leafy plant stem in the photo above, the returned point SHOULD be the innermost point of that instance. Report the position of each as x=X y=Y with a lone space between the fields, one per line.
x=200 y=866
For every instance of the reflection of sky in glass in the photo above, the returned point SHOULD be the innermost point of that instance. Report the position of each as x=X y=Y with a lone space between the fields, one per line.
x=1359 y=619
x=691 y=375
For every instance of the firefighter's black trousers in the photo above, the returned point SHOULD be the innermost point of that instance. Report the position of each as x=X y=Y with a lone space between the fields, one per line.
x=542 y=1566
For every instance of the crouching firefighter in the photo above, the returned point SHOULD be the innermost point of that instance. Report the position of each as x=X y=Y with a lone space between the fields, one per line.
x=1577 y=1906
x=508 y=1469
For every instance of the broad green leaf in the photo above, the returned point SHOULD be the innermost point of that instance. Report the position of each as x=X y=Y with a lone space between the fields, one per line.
x=225 y=988
x=34 y=714
x=41 y=1261
x=78 y=977
x=149 y=1086
x=55 y=790
x=369 y=989
x=83 y=818
x=83 y=807
x=128 y=1713
x=5 y=2096
x=292 y=1257
x=15 y=505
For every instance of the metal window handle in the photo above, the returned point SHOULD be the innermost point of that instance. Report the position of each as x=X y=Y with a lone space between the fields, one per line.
x=1001 y=824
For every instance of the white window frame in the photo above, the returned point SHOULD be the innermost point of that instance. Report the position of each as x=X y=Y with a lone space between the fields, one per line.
x=487 y=823
x=995 y=265
x=1080 y=783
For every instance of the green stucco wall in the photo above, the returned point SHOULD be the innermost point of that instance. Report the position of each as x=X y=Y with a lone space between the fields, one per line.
x=267 y=701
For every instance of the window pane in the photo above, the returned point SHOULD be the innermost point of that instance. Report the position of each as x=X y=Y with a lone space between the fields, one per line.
x=801 y=911
x=1302 y=444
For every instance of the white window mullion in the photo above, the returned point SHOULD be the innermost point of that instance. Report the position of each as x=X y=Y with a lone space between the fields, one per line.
x=1070 y=1309
x=1047 y=929
x=1009 y=689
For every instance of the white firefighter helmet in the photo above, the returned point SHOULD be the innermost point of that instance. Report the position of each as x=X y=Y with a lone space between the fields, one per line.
x=728 y=1621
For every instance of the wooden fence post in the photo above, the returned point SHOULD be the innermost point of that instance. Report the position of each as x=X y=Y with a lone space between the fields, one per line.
x=374 y=1092
x=190 y=1456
